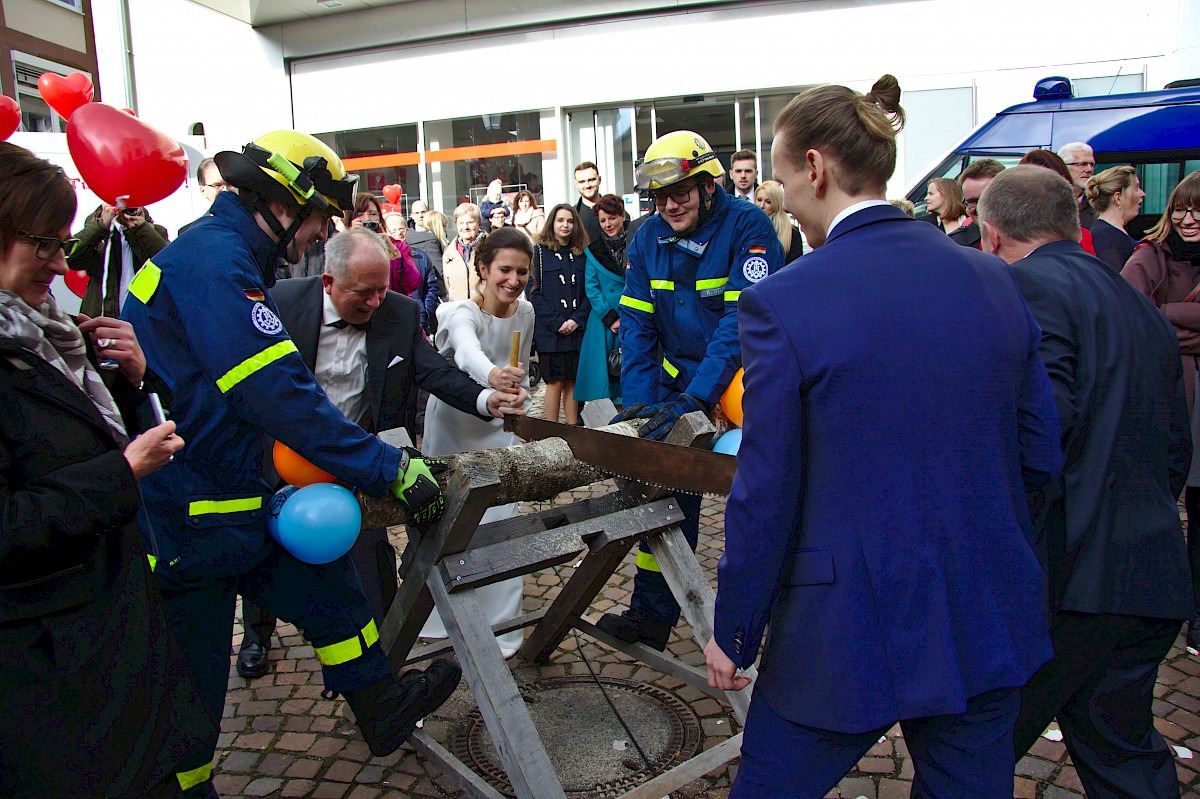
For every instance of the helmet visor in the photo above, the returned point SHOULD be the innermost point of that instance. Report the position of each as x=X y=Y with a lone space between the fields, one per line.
x=664 y=171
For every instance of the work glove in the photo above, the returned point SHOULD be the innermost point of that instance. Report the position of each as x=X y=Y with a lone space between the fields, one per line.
x=668 y=413
x=418 y=490
x=638 y=410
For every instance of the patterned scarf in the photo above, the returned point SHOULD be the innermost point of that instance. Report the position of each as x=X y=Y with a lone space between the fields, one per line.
x=50 y=334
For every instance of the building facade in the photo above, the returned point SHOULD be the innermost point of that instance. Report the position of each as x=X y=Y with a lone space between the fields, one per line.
x=38 y=36
x=443 y=97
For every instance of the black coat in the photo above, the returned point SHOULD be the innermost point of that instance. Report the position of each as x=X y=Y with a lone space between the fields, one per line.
x=1108 y=527
x=557 y=293
x=396 y=349
x=98 y=699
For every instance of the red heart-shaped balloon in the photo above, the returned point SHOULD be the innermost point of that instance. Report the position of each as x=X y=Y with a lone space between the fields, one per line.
x=393 y=191
x=10 y=116
x=77 y=281
x=67 y=94
x=124 y=161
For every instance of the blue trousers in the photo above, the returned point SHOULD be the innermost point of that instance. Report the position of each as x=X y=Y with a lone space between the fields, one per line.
x=325 y=602
x=964 y=756
x=650 y=590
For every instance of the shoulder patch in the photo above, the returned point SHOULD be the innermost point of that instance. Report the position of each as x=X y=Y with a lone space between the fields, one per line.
x=755 y=268
x=757 y=249
x=255 y=295
x=266 y=322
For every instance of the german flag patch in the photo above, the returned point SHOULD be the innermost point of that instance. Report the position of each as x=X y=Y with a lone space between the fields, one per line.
x=757 y=249
x=254 y=295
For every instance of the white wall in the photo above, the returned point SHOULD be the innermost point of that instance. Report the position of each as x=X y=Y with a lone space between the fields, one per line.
x=927 y=44
x=195 y=65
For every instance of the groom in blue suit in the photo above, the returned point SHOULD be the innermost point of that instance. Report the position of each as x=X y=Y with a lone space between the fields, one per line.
x=896 y=411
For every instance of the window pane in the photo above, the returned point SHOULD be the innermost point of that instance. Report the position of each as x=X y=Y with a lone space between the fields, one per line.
x=395 y=143
x=935 y=120
x=769 y=106
x=1112 y=84
x=485 y=148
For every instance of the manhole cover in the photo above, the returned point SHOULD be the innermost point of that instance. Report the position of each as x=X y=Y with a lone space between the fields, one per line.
x=592 y=754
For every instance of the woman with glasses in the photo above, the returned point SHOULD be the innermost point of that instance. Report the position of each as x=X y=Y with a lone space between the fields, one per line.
x=1165 y=266
x=99 y=699
x=1116 y=196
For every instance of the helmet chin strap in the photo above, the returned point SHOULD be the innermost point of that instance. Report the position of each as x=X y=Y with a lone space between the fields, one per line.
x=286 y=235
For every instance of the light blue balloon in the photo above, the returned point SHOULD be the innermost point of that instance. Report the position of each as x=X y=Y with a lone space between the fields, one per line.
x=275 y=506
x=318 y=523
x=730 y=443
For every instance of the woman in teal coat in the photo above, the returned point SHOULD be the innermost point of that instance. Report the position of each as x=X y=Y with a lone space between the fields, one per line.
x=604 y=281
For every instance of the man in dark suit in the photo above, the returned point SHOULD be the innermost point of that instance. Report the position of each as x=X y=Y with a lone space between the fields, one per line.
x=365 y=347
x=896 y=410
x=1108 y=528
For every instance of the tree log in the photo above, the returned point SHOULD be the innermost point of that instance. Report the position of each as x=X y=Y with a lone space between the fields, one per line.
x=536 y=470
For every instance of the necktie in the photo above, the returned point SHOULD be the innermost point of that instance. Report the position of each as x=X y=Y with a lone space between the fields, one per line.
x=341 y=324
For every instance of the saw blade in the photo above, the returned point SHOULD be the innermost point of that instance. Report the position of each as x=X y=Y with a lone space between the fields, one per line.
x=654 y=463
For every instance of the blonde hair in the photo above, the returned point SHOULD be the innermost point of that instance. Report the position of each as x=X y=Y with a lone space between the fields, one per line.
x=783 y=226
x=1103 y=186
x=858 y=131
x=435 y=223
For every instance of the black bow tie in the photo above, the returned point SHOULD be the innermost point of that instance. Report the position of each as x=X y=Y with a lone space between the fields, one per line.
x=341 y=324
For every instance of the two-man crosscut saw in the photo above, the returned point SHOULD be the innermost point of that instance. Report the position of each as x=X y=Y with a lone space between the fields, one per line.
x=685 y=469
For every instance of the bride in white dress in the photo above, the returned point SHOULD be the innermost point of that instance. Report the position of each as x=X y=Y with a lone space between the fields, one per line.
x=477 y=335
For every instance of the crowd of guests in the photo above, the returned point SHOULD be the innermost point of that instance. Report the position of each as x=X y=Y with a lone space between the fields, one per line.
x=1073 y=395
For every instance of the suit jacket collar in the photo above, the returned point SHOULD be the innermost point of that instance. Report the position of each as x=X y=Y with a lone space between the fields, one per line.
x=868 y=216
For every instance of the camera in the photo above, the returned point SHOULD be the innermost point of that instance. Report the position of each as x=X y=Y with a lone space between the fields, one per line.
x=131 y=211
x=371 y=225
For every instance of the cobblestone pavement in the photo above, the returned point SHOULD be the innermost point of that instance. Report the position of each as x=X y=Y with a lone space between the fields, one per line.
x=279 y=738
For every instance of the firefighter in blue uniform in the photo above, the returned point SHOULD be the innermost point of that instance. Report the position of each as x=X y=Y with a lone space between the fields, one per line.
x=679 y=336
x=209 y=328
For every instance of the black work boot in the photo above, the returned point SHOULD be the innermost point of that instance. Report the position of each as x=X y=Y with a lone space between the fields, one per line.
x=388 y=709
x=636 y=625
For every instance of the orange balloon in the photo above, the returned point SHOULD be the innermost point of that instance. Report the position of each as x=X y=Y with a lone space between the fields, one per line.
x=731 y=400
x=296 y=470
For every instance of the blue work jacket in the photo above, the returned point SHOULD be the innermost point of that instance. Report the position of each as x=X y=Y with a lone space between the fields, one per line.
x=679 y=329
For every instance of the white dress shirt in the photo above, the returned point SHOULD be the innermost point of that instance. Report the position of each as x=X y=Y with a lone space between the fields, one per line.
x=341 y=367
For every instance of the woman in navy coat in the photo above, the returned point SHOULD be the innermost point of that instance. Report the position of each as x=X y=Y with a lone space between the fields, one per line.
x=896 y=410
x=561 y=307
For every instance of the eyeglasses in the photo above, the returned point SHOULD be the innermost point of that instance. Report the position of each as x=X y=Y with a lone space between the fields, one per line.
x=1179 y=214
x=1081 y=163
x=46 y=247
x=971 y=205
x=679 y=194
x=219 y=185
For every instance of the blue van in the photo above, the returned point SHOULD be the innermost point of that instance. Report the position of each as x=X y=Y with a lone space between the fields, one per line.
x=1157 y=132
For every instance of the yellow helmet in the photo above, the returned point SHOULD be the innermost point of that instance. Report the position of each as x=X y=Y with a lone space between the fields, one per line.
x=676 y=156
x=291 y=167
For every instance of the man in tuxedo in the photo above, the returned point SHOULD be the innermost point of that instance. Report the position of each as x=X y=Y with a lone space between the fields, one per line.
x=1107 y=529
x=365 y=347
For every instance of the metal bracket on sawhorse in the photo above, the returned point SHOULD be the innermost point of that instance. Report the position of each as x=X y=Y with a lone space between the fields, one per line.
x=445 y=565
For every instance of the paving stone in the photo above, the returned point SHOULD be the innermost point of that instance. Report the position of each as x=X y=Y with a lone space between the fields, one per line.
x=855 y=787
x=1054 y=792
x=240 y=762
x=297 y=788
x=1035 y=767
x=263 y=786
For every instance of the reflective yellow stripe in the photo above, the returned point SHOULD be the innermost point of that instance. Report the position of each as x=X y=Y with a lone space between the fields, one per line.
x=351 y=648
x=190 y=779
x=145 y=282
x=646 y=561
x=640 y=305
x=670 y=367
x=665 y=285
x=712 y=283
x=732 y=296
x=203 y=506
x=370 y=633
x=255 y=362
x=153 y=561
